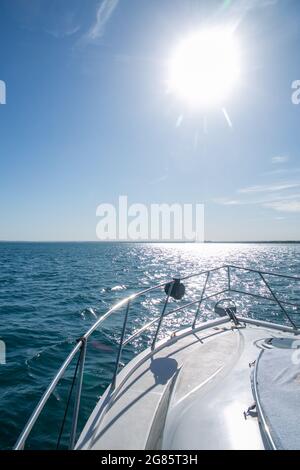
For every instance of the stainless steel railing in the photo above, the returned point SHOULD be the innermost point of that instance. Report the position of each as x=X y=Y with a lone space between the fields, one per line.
x=81 y=345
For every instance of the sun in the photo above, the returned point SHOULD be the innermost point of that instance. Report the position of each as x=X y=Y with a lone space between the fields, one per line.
x=205 y=67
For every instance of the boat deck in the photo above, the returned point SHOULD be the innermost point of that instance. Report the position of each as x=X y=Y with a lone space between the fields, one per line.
x=190 y=393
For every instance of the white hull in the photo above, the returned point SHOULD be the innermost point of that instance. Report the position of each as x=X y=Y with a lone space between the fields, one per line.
x=190 y=393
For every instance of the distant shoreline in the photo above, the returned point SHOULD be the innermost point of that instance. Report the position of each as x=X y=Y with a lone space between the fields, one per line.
x=208 y=242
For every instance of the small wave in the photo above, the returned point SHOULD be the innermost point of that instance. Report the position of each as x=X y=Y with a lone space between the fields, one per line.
x=8 y=281
x=89 y=311
x=113 y=289
x=118 y=288
x=38 y=355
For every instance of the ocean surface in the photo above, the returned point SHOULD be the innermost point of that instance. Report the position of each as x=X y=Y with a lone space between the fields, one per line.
x=50 y=294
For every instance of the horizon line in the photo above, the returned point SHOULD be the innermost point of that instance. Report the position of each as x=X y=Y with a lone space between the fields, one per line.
x=150 y=241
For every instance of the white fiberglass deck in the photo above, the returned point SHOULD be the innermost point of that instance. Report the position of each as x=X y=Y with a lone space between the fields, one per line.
x=191 y=393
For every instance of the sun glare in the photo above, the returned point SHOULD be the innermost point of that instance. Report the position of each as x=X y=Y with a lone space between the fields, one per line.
x=205 y=68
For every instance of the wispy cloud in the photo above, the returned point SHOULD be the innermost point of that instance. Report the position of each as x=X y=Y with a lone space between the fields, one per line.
x=268 y=188
x=268 y=3
x=262 y=201
x=276 y=196
x=239 y=9
x=280 y=159
x=160 y=179
x=243 y=6
x=284 y=206
x=259 y=200
x=283 y=171
x=57 y=18
x=60 y=33
x=104 y=12
x=228 y=202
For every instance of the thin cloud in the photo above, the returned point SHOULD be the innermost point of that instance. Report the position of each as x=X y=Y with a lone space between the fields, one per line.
x=279 y=198
x=104 y=12
x=282 y=171
x=53 y=17
x=284 y=206
x=278 y=160
x=160 y=179
x=269 y=3
x=268 y=188
x=276 y=196
x=239 y=10
x=228 y=202
x=63 y=33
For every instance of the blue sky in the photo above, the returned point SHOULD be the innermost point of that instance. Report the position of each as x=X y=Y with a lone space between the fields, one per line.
x=88 y=117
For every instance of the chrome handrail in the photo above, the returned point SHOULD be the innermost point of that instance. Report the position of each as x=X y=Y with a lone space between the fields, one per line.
x=32 y=420
x=127 y=302
x=261 y=414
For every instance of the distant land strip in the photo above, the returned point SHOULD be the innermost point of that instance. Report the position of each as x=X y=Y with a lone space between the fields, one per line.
x=156 y=242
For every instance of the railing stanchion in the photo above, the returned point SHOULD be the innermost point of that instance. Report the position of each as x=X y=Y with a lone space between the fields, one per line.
x=278 y=301
x=78 y=394
x=201 y=300
x=162 y=315
x=113 y=384
x=229 y=278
